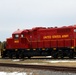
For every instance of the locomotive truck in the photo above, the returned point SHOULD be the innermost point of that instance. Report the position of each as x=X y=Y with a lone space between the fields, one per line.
x=58 y=42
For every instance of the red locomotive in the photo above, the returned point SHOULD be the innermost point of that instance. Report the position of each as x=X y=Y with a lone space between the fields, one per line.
x=41 y=41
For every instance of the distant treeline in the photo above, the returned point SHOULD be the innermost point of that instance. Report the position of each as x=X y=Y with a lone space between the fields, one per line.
x=2 y=45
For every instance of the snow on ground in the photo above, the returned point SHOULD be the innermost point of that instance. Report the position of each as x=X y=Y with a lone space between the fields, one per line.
x=58 y=61
x=49 y=56
x=34 y=63
x=45 y=62
x=16 y=60
x=14 y=73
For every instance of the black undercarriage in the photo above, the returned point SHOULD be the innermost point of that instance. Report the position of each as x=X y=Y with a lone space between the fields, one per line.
x=54 y=52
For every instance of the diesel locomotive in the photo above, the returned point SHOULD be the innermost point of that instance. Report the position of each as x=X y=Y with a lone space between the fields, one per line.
x=58 y=42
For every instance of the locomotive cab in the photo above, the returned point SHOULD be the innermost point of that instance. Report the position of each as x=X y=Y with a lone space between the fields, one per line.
x=19 y=40
x=14 y=41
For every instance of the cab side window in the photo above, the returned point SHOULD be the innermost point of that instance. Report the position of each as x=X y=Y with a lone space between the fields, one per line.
x=22 y=35
x=74 y=30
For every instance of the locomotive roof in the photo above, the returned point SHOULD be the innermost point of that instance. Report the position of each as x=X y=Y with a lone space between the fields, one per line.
x=18 y=32
x=41 y=28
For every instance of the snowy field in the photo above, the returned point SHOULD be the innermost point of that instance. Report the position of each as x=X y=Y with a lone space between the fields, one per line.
x=37 y=73
x=62 y=61
x=14 y=73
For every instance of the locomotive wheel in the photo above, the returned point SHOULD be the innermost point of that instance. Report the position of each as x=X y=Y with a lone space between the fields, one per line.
x=29 y=57
x=71 y=54
x=62 y=57
x=60 y=54
x=54 y=54
x=10 y=56
x=17 y=56
x=22 y=56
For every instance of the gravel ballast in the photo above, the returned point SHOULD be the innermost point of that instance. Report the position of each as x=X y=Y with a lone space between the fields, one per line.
x=32 y=71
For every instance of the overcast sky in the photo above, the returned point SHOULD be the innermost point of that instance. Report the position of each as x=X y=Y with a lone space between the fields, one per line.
x=23 y=14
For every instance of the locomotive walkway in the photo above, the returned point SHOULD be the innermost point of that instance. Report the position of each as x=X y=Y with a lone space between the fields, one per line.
x=41 y=67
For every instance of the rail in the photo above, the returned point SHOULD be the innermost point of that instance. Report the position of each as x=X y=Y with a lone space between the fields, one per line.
x=41 y=67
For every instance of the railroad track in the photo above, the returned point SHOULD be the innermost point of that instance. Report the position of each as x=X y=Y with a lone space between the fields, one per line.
x=40 y=67
x=53 y=58
x=46 y=58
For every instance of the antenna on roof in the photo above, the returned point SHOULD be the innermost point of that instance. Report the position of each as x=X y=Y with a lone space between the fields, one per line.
x=18 y=29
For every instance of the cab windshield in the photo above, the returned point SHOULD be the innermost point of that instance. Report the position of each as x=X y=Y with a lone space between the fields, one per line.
x=16 y=36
